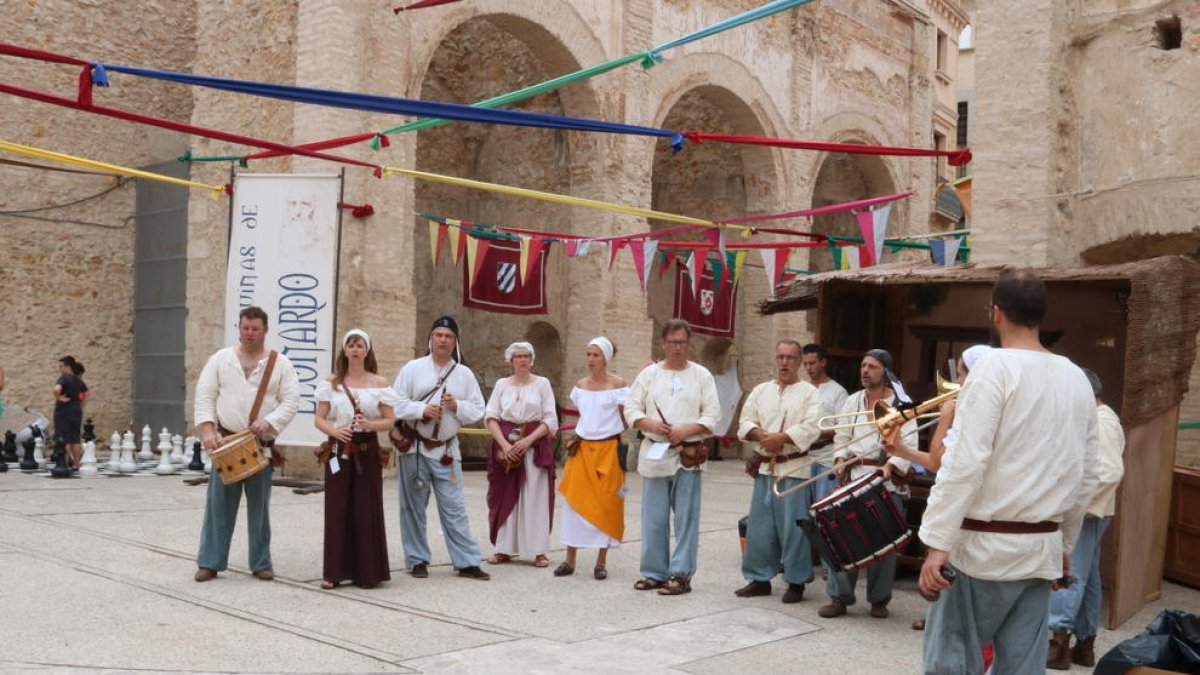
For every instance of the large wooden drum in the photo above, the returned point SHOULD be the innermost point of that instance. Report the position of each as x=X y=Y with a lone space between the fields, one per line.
x=239 y=457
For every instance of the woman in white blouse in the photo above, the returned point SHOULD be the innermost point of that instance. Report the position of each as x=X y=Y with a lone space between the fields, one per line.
x=521 y=416
x=353 y=405
x=593 y=512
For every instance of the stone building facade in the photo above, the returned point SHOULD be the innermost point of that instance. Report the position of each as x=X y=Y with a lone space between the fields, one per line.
x=834 y=70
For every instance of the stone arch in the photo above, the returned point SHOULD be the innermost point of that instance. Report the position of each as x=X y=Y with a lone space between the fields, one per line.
x=484 y=55
x=548 y=344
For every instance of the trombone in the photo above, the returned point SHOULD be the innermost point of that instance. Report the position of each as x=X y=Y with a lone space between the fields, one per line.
x=830 y=422
x=886 y=420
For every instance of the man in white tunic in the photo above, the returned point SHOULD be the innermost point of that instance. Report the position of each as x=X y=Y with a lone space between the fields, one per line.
x=436 y=393
x=1076 y=609
x=225 y=396
x=865 y=444
x=779 y=424
x=833 y=397
x=1010 y=496
x=675 y=405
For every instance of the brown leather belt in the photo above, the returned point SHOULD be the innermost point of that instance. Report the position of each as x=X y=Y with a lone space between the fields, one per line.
x=1009 y=526
x=873 y=462
x=788 y=457
x=429 y=442
x=820 y=444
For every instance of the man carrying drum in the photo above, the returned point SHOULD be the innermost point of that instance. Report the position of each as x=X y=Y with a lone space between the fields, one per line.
x=1011 y=494
x=860 y=451
x=250 y=388
x=779 y=421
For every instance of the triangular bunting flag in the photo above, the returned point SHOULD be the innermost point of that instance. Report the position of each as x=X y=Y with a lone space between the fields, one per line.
x=873 y=225
x=944 y=251
x=531 y=248
x=572 y=247
x=716 y=236
x=476 y=252
x=649 y=254
x=583 y=248
x=636 y=248
x=774 y=262
x=667 y=259
x=694 y=270
x=437 y=236
x=739 y=262
x=718 y=272
x=614 y=247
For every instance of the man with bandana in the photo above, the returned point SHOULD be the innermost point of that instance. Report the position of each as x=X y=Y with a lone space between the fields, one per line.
x=879 y=384
x=436 y=394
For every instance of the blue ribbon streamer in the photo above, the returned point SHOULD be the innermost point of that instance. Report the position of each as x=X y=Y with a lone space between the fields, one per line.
x=99 y=75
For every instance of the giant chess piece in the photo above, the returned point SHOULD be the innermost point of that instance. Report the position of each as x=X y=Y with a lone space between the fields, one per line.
x=178 y=458
x=164 y=468
x=164 y=442
x=3 y=464
x=29 y=463
x=114 y=452
x=60 y=468
x=89 y=431
x=146 y=453
x=128 y=463
x=10 y=447
x=39 y=451
x=197 y=463
x=87 y=465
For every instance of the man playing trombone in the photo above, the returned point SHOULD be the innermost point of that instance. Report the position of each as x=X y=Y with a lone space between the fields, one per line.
x=860 y=451
x=779 y=421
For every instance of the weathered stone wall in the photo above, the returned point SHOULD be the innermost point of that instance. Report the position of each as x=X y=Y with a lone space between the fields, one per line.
x=66 y=265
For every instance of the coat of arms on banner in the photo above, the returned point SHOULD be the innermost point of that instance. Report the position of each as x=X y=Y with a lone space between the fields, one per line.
x=506 y=277
x=711 y=310
x=708 y=300
x=498 y=286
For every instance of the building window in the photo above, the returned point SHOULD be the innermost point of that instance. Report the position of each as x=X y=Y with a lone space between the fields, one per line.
x=942 y=51
x=1169 y=33
x=961 y=131
x=939 y=143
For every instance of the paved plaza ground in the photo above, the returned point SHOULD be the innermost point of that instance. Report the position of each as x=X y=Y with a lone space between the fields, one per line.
x=96 y=575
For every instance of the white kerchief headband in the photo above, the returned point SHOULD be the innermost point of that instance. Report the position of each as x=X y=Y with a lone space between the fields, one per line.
x=359 y=333
x=605 y=347
x=519 y=347
x=972 y=355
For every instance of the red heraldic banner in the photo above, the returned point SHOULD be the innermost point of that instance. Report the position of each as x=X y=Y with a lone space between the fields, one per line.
x=708 y=311
x=498 y=285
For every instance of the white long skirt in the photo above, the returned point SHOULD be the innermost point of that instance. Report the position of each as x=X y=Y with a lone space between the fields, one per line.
x=526 y=531
x=575 y=531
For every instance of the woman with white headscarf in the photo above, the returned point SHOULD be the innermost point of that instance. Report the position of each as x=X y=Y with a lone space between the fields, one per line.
x=593 y=512
x=354 y=404
x=522 y=418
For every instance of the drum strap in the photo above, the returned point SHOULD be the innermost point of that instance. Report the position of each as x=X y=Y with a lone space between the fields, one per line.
x=262 y=385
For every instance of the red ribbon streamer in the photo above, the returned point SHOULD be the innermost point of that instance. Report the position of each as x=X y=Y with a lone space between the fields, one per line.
x=956 y=157
x=424 y=3
x=358 y=211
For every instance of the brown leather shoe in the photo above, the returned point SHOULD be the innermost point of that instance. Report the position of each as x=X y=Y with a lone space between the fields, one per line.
x=754 y=589
x=879 y=610
x=265 y=574
x=205 y=574
x=1059 y=655
x=794 y=594
x=834 y=609
x=1084 y=652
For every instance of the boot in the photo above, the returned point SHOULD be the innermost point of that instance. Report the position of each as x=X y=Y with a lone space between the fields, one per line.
x=1084 y=653
x=1059 y=656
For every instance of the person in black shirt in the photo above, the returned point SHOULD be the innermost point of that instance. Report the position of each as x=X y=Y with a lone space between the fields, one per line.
x=69 y=392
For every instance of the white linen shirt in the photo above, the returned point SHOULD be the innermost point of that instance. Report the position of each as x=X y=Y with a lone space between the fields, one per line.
x=418 y=378
x=518 y=404
x=870 y=442
x=225 y=395
x=341 y=412
x=833 y=397
x=1112 y=468
x=686 y=396
x=793 y=410
x=1026 y=451
x=599 y=412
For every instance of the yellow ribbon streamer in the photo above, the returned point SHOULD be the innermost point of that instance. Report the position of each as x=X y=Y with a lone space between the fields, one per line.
x=102 y=166
x=557 y=198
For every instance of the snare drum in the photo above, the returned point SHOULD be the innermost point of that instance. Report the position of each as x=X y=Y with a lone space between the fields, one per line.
x=239 y=457
x=859 y=524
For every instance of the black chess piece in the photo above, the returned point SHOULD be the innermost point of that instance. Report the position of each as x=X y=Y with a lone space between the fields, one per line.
x=29 y=463
x=3 y=464
x=10 y=447
x=196 y=464
x=89 y=431
x=60 y=469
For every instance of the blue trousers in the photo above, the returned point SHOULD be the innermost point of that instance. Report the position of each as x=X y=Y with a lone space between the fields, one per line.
x=1077 y=609
x=660 y=496
x=880 y=576
x=220 y=517
x=973 y=612
x=451 y=506
x=773 y=540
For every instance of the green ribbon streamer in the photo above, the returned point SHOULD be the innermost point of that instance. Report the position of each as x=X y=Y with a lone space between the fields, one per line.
x=1190 y=425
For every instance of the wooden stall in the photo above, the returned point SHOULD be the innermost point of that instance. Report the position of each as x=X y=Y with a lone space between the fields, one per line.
x=1133 y=324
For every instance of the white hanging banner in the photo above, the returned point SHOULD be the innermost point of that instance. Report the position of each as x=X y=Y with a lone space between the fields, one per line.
x=283 y=254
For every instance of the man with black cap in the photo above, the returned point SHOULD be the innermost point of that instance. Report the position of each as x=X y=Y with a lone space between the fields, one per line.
x=437 y=392
x=879 y=384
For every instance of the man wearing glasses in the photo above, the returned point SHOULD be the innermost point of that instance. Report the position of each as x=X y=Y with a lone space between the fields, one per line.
x=779 y=422
x=674 y=404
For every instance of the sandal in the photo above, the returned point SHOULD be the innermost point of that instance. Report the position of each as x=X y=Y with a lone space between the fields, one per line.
x=600 y=572
x=676 y=586
x=564 y=570
x=648 y=584
x=328 y=585
x=499 y=558
x=543 y=561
